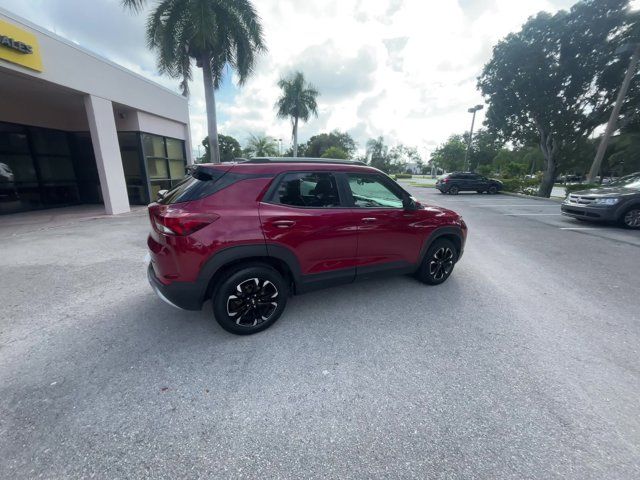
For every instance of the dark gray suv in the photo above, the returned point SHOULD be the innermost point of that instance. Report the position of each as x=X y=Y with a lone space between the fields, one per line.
x=617 y=202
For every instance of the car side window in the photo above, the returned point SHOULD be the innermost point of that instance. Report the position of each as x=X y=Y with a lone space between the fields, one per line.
x=370 y=192
x=308 y=189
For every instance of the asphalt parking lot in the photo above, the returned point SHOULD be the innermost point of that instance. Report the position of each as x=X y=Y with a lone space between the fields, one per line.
x=525 y=364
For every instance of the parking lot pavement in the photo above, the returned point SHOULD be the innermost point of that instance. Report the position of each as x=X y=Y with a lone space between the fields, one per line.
x=538 y=212
x=524 y=364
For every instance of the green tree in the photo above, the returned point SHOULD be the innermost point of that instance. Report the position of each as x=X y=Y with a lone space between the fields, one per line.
x=213 y=33
x=484 y=148
x=450 y=155
x=402 y=155
x=486 y=170
x=335 y=152
x=624 y=155
x=555 y=79
x=297 y=102
x=378 y=154
x=229 y=149
x=318 y=144
x=261 y=146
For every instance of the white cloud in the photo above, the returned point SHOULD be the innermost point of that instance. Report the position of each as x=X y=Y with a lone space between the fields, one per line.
x=405 y=69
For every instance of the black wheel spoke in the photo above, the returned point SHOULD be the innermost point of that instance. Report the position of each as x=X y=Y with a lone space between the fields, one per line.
x=253 y=302
x=441 y=263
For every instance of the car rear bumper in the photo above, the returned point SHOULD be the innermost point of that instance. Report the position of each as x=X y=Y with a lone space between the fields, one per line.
x=589 y=213
x=183 y=295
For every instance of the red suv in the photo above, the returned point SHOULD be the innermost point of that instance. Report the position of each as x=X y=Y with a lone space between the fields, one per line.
x=247 y=234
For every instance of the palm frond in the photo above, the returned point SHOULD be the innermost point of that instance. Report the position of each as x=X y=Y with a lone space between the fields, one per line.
x=133 y=5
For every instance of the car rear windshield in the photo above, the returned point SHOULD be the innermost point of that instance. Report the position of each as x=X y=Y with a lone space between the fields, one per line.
x=199 y=184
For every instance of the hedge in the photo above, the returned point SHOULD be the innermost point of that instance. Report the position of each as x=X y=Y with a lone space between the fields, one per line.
x=403 y=175
x=528 y=186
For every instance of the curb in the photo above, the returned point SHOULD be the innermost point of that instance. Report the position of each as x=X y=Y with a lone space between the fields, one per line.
x=531 y=197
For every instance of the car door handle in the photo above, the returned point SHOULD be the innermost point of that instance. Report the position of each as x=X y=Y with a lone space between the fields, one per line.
x=284 y=223
x=369 y=219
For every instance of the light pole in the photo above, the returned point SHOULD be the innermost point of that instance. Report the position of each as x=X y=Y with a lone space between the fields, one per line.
x=279 y=147
x=613 y=119
x=473 y=121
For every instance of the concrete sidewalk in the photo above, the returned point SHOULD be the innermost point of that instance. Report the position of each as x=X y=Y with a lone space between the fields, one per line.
x=25 y=222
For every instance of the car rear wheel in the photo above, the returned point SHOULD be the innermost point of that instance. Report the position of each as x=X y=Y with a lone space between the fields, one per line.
x=438 y=263
x=493 y=190
x=453 y=190
x=250 y=299
x=631 y=218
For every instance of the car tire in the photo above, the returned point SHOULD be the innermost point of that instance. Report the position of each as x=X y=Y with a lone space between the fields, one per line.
x=480 y=191
x=631 y=218
x=250 y=298
x=438 y=262
x=492 y=190
x=453 y=190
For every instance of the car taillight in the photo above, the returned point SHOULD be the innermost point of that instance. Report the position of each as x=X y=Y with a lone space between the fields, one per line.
x=445 y=180
x=177 y=222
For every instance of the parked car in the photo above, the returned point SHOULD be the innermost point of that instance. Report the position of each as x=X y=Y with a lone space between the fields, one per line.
x=618 y=202
x=455 y=182
x=248 y=234
x=570 y=178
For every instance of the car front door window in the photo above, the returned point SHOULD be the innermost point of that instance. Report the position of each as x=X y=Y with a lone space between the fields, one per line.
x=369 y=191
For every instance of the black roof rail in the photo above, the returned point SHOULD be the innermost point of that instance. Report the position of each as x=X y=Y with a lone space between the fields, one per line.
x=302 y=160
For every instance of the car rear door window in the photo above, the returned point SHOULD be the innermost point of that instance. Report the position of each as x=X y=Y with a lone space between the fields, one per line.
x=307 y=189
x=370 y=191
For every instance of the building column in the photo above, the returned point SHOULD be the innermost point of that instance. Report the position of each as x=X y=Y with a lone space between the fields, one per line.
x=106 y=149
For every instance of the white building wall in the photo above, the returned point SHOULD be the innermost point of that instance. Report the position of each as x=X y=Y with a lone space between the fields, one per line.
x=79 y=91
x=107 y=152
x=35 y=110
x=71 y=66
x=160 y=126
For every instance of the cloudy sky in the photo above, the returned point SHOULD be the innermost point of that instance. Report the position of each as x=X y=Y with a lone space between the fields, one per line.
x=404 y=69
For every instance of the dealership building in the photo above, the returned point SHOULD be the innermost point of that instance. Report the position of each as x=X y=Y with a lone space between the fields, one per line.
x=76 y=128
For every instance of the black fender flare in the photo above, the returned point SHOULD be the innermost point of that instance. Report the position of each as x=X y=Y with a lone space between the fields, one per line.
x=228 y=255
x=441 y=232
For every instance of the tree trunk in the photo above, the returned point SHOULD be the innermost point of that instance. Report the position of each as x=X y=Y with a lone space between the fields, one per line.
x=549 y=148
x=295 y=137
x=210 y=100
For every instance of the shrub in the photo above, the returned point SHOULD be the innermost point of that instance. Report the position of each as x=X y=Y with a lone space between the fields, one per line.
x=580 y=186
x=403 y=175
x=528 y=186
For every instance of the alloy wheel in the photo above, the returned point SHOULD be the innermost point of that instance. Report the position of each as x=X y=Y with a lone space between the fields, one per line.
x=253 y=302
x=632 y=218
x=441 y=263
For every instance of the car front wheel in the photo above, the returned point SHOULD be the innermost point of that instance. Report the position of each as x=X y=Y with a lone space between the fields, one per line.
x=250 y=299
x=493 y=190
x=631 y=218
x=438 y=263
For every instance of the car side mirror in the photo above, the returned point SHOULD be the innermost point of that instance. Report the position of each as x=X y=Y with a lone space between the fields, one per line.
x=162 y=194
x=408 y=203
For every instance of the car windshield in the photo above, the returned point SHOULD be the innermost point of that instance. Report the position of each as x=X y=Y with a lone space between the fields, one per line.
x=630 y=181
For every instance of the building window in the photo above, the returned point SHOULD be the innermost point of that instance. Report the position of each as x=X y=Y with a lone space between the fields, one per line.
x=165 y=162
x=39 y=169
x=133 y=167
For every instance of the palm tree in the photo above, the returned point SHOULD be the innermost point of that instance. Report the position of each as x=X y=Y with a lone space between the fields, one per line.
x=214 y=34
x=261 y=146
x=298 y=102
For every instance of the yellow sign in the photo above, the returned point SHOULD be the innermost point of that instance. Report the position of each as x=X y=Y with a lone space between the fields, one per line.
x=19 y=46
